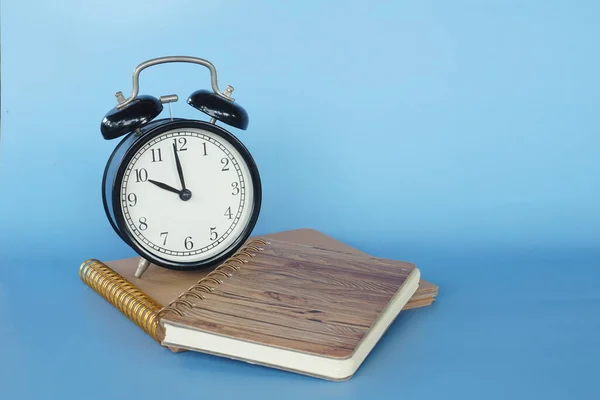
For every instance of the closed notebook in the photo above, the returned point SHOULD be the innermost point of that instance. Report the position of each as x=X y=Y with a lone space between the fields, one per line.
x=424 y=296
x=282 y=304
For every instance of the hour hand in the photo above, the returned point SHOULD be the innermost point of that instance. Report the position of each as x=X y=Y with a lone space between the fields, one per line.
x=164 y=186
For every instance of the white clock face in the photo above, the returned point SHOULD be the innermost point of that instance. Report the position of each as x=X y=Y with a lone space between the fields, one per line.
x=195 y=219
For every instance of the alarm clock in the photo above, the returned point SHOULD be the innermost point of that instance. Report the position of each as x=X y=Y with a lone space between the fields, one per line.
x=184 y=194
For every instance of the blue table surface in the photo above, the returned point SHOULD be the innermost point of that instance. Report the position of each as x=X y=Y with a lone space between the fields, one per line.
x=522 y=325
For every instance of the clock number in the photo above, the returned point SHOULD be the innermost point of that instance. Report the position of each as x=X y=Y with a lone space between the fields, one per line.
x=225 y=162
x=235 y=187
x=213 y=234
x=143 y=224
x=188 y=243
x=156 y=155
x=132 y=199
x=204 y=147
x=228 y=213
x=141 y=175
x=165 y=234
x=182 y=141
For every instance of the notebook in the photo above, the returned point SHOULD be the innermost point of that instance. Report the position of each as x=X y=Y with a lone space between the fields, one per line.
x=424 y=296
x=301 y=307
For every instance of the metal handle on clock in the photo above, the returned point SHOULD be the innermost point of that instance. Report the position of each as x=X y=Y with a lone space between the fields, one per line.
x=122 y=102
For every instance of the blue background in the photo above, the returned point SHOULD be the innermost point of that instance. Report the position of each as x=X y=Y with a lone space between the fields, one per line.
x=462 y=136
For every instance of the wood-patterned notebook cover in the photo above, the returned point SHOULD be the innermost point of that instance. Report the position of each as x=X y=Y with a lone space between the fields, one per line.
x=300 y=298
x=163 y=285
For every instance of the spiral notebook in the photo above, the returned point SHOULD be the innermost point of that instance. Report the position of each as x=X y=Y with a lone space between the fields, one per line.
x=282 y=304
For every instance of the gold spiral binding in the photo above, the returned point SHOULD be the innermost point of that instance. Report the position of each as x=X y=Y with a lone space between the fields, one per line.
x=142 y=309
x=216 y=277
x=132 y=302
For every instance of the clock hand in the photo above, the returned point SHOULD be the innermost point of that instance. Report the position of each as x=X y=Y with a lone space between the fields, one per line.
x=165 y=186
x=179 y=170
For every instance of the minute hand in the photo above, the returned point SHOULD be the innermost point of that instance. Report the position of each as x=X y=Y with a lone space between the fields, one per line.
x=179 y=170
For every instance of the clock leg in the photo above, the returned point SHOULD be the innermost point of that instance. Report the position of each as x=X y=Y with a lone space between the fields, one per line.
x=142 y=267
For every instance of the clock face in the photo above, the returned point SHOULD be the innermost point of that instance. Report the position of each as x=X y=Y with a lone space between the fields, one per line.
x=187 y=195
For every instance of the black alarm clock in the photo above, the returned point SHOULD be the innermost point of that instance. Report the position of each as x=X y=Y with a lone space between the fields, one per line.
x=185 y=194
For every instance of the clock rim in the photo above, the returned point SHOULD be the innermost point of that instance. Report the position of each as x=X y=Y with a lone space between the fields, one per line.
x=117 y=180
